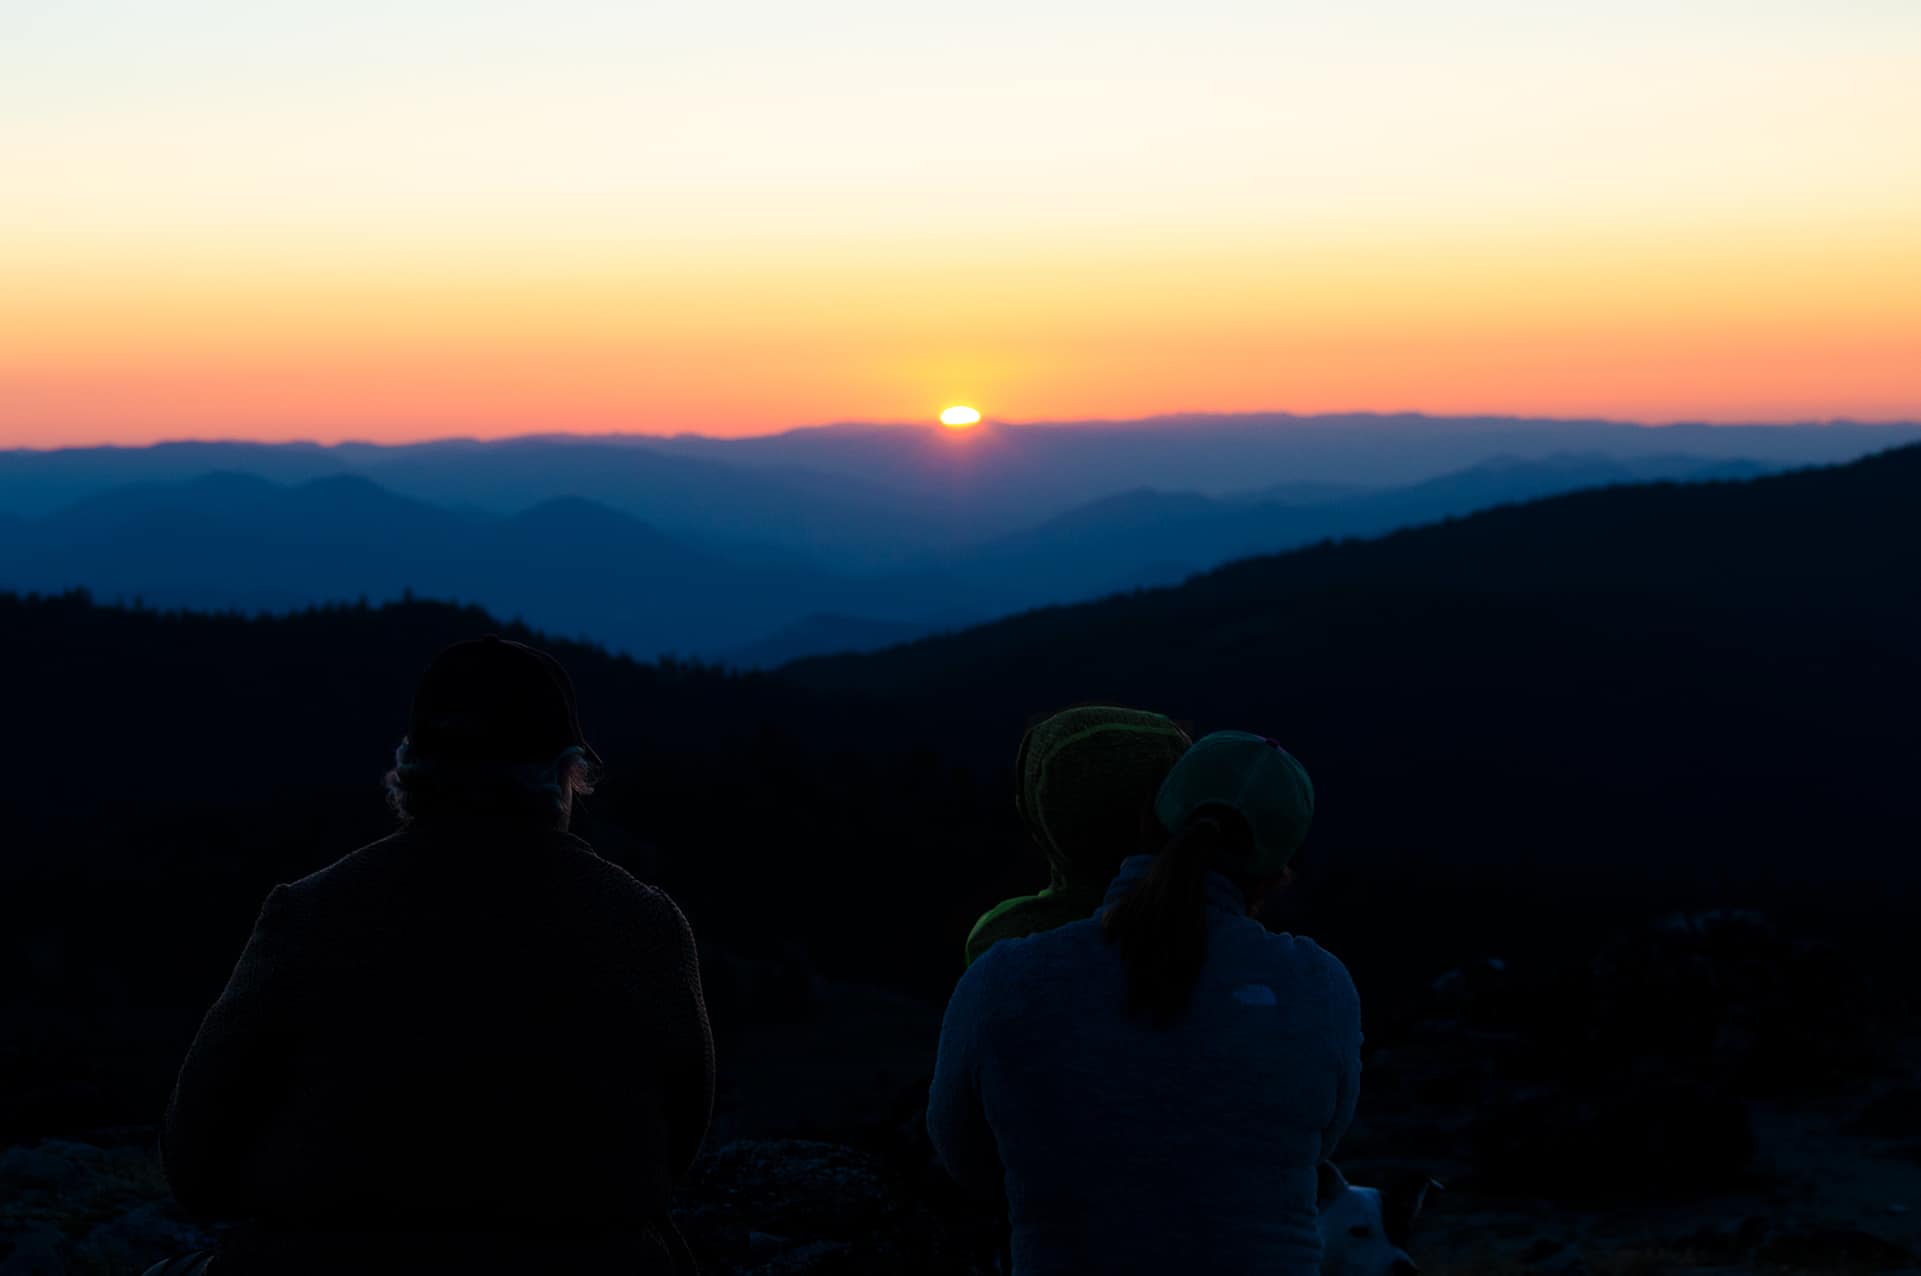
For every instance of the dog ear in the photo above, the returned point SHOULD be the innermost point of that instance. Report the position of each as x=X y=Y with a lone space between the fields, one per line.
x=1401 y=1202
x=1332 y=1184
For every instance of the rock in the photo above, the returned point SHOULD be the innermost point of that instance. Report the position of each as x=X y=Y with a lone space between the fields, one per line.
x=1722 y=996
x=1447 y=1089
x=142 y=1236
x=1724 y=1246
x=88 y=1208
x=743 y=989
x=1909 y=1152
x=39 y=1250
x=1483 y=994
x=801 y=1206
x=806 y=1260
x=1657 y=1140
x=794 y=1187
x=1830 y=1247
x=1542 y=1249
x=53 y=1165
x=1895 y=1115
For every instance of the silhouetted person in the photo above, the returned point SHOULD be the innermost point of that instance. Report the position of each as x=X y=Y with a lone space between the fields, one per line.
x=471 y=1046
x=1085 y=779
x=1154 y=1087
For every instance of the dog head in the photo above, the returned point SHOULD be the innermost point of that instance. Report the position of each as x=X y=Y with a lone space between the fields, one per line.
x=1365 y=1230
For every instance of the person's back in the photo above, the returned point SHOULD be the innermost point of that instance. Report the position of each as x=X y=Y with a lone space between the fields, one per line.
x=1131 y=1141
x=473 y=1045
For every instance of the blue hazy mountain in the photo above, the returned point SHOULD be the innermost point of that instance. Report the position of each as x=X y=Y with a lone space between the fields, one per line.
x=695 y=499
x=856 y=497
x=1151 y=537
x=1022 y=474
x=572 y=565
x=231 y=541
x=759 y=551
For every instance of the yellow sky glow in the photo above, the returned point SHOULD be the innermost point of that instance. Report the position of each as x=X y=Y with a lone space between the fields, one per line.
x=392 y=221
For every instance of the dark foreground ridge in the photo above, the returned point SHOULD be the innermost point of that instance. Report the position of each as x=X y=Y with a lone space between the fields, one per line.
x=1702 y=1094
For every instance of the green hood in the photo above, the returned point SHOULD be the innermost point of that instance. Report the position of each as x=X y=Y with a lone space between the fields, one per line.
x=1086 y=778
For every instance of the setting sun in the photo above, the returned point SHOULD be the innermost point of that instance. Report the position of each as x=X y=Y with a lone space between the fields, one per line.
x=959 y=417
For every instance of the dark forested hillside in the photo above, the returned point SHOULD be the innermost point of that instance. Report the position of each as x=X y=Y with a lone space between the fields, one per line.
x=1725 y=673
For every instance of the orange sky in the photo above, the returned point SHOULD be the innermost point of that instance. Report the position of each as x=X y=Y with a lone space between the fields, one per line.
x=276 y=234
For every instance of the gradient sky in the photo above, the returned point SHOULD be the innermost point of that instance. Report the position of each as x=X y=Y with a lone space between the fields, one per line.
x=393 y=219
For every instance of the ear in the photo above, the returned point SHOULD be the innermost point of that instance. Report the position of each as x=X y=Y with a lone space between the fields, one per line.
x=1401 y=1202
x=1332 y=1184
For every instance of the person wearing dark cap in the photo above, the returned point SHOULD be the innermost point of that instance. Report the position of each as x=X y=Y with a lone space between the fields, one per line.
x=471 y=1046
x=1153 y=1088
x=1084 y=778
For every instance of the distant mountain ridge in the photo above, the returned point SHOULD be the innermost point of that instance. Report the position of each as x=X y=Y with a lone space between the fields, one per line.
x=234 y=541
x=864 y=498
x=574 y=565
x=1151 y=537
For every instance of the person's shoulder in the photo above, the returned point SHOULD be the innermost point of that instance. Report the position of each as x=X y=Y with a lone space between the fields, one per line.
x=635 y=909
x=1305 y=955
x=1001 y=922
x=983 y=988
x=1022 y=917
x=1003 y=960
x=1328 y=968
x=1017 y=964
x=1311 y=952
x=602 y=874
x=343 y=874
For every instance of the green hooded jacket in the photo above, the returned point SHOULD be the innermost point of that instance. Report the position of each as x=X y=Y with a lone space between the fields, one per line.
x=1086 y=779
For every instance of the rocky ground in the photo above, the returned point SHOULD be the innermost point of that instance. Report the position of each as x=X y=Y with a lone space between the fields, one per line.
x=1702 y=1096
x=97 y=1204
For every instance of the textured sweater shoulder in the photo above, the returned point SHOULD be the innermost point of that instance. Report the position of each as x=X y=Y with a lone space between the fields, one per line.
x=450 y=1028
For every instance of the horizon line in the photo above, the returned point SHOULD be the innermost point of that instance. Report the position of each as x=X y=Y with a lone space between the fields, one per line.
x=987 y=422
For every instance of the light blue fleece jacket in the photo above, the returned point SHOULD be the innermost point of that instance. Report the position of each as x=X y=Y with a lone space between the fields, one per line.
x=1125 y=1147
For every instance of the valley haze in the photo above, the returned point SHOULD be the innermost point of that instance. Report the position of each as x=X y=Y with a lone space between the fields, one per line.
x=755 y=551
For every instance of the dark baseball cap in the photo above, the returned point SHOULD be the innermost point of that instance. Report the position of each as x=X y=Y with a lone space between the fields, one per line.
x=496 y=700
x=1253 y=776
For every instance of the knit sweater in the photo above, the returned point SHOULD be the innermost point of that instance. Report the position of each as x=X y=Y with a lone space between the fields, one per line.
x=466 y=1028
x=1125 y=1147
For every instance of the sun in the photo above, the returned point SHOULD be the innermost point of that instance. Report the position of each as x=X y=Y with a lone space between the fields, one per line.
x=960 y=417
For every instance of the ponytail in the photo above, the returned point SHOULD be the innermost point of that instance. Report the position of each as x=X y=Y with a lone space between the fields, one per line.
x=1161 y=926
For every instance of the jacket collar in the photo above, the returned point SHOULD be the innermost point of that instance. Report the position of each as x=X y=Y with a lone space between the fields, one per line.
x=479 y=834
x=1222 y=895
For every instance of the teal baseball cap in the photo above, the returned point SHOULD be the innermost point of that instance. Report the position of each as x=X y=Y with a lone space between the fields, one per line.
x=1252 y=776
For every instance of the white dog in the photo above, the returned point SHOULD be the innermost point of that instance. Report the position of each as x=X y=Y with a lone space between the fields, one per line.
x=1365 y=1230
